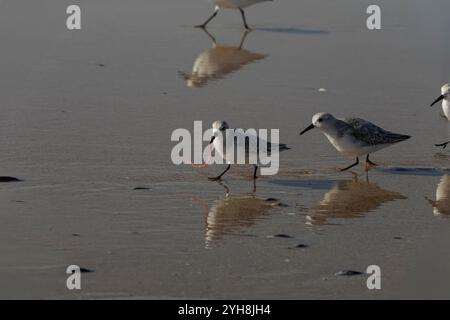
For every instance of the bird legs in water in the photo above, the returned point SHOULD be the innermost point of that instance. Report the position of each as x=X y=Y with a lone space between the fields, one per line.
x=255 y=176
x=443 y=145
x=216 y=11
x=203 y=26
x=220 y=175
x=353 y=165
x=255 y=173
x=368 y=162
x=244 y=19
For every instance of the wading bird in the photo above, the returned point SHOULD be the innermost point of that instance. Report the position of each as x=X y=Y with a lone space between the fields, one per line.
x=445 y=98
x=241 y=142
x=354 y=137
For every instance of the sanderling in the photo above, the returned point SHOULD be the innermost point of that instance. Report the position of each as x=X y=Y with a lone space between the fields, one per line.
x=222 y=133
x=445 y=97
x=231 y=4
x=354 y=137
x=218 y=62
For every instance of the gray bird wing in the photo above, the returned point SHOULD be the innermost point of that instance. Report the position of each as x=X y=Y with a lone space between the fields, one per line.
x=371 y=134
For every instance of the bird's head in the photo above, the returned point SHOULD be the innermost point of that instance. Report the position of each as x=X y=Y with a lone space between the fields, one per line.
x=320 y=120
x=445 y=94
x=219 y=127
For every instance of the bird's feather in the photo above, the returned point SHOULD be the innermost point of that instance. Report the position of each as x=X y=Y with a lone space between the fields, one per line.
x=370 y=133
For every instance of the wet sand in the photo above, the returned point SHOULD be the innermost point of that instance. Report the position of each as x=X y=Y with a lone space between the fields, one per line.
x=87 y=118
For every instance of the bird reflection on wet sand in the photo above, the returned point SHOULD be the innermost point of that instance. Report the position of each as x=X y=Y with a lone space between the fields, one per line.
x=441 y=206
x=218 y=62
x=233 y=214
x=350 y=199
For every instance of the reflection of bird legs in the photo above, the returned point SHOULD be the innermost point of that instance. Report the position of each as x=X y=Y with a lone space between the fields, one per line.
x=443 y=145
x=204 y=204
x=213 y=39
x=244 y=37
x=356 y=176
x=227 y=190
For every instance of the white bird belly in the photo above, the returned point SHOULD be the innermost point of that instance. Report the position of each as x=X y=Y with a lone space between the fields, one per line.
x=446 y=109
x=350 y=146
x=219 y=148
x=237 y=151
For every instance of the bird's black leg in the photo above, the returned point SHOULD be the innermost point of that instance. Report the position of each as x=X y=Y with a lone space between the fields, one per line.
x=255 y=173
x=221 y=175
x=353 y=165
x=244 y=19
x=443 y=145
x=370 y=162
x=203 y=26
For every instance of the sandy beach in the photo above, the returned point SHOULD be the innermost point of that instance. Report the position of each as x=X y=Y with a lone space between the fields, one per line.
x=87 y=116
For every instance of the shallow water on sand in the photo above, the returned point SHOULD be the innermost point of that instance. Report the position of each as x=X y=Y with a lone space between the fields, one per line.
x=87 y=118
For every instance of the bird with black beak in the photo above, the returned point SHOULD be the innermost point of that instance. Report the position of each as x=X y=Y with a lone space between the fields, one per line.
x=445 y=98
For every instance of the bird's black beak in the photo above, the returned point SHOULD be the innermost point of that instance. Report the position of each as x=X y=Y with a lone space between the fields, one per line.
x=307 y=129
x=437 y=100
x=212 y=139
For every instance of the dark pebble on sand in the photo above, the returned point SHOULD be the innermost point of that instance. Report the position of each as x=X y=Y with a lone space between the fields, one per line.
x=100 y=65
x=141 y=188
x=276 y=202
x=284 y=236
x=300 y=246
x=84 y=270
x=283 y=205
x=9 y=179
x=75 y=234
x=398 y=238
x=348 y=273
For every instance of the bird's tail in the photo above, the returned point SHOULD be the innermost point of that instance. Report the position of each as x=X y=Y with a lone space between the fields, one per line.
x=399 y=137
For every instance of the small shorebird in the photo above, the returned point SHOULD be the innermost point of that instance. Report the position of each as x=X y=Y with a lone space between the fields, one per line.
x=354 y=137
x=445 y=98
x=222 y=133
x=231 y=4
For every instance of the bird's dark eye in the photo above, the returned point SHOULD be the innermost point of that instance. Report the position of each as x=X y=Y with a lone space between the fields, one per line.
x=320 y=120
